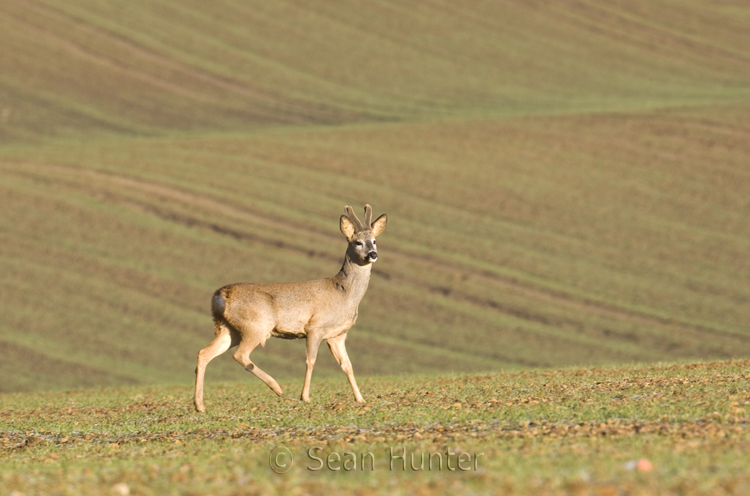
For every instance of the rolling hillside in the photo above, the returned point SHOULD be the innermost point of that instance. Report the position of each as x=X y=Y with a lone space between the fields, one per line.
x=566 y=182
x=88 y=68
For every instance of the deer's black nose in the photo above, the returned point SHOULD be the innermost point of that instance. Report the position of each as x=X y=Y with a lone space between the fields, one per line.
x=372 y=256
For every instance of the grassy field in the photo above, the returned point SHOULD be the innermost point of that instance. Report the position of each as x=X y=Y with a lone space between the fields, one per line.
x=543 y=432
x=87 y=69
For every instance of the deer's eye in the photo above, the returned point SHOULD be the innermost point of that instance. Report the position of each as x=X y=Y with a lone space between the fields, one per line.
x=373 y=242
x=358 y=243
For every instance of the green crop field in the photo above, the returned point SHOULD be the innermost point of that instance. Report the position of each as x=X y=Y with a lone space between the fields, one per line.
x=566 y=182
x=545 y=432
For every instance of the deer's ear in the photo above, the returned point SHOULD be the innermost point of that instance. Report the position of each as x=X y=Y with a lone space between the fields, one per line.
x=379 y=225
x=347 y=227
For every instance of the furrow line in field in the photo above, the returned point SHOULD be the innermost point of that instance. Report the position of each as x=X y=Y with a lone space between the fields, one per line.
x=266 y=107
x=268 y=103
x=107 y=62
x=607 y=22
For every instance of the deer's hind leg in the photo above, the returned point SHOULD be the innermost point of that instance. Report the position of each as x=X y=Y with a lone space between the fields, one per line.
x=226 y=337
x=248 y=343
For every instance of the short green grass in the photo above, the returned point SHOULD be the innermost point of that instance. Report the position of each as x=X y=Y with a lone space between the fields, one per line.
x=564 y=431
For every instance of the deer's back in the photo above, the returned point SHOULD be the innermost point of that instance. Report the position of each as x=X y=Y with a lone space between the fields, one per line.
x=287 y=310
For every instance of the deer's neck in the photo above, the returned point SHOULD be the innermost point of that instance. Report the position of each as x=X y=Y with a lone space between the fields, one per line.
x=353 y=279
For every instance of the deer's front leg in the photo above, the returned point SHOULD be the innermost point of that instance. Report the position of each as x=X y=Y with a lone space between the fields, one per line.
x=313 y=343
x=338 y=348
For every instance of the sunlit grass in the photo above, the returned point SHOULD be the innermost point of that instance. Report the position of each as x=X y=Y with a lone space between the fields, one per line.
x=540 y=432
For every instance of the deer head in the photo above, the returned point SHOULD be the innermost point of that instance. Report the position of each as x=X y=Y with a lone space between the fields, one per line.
x=361 y=235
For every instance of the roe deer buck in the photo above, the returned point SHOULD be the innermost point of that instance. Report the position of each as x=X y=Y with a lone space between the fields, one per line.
x=324 y=309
